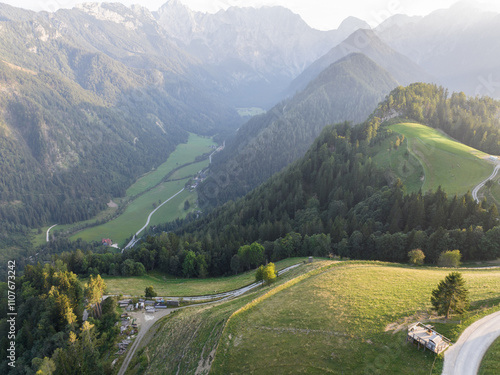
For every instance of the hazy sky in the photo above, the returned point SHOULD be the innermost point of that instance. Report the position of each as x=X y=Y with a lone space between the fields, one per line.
x=320 y=14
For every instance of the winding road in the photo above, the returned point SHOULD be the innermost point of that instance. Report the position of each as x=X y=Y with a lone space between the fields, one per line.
x=464 y=358
x=48 y=231
x=479 y=186
x=134 y=240
x=213 y=298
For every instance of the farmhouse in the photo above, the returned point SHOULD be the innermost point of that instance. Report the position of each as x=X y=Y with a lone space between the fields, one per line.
x=107 y=242
x=426 y=336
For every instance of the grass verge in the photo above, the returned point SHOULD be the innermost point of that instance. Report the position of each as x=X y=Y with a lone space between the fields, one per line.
x=491 y=360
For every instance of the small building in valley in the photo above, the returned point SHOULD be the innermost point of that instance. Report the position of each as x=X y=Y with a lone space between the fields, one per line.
x=425 y=336
x=107 y=242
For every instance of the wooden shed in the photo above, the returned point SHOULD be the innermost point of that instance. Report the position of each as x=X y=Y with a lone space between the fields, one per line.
x=425 y=336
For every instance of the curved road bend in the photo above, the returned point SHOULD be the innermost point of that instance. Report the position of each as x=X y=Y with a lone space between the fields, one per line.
x=145 y=327
x=48 y=231
x=134 y=239
x=480 y=185
x=464 y=358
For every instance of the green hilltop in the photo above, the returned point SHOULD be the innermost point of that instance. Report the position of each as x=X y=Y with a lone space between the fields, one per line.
x=425 y=158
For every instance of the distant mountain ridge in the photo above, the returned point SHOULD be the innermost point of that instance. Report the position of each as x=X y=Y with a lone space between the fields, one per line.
x=460 y=46
x=348 y=90
x=367 y=42
x=259 y=50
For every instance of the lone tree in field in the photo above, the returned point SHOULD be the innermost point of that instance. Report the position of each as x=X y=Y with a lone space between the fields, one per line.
x=149 y=292
x=416 y=256
x=269 y=273
x=450 y=295
x=266 y=273
x=450 y=258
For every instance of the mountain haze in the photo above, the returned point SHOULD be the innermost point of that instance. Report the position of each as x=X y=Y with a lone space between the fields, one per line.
x=348 y=90
x=367 y=42
x=254 y=53
x=459 y=46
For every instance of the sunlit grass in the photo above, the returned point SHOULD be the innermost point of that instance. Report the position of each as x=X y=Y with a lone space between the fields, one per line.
x=336 y=322
x=446 y=162
x=490 y=364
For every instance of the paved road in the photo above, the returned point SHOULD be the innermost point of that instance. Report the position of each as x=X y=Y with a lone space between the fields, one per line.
x=153 y=318
x=48 y=231
x=479 y=186
x=464 y=358
x=135 y=239
x=230 y=294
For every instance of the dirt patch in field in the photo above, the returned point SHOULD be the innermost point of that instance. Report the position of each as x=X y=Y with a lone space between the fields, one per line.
x=112 y=204
x=422 y=317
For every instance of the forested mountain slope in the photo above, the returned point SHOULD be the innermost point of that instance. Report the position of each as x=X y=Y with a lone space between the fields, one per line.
x=347 y=90
x=91 y=99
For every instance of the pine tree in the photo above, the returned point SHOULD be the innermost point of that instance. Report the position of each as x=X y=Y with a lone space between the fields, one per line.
x=450 y=295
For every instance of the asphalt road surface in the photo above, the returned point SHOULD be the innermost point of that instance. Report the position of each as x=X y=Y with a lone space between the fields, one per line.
x=479 y=186
x=464 y=358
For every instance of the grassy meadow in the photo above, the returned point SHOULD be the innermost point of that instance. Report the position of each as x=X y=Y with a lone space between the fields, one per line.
x=184 y=153
x=166 y=285
x=342 y=321
x=185 y=342
x=446 y=162
x=153 y=193
x=491 y=360
x=136 y=214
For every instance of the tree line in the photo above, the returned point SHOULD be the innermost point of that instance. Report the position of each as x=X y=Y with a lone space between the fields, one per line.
x=473 y=121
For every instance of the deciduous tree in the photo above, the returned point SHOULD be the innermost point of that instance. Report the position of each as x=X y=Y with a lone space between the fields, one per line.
x=450 y=258
x=94 y=292
x=416 y=256
x=149 y=292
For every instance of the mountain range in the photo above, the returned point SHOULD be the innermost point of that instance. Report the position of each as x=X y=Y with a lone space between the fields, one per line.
x=104 y=92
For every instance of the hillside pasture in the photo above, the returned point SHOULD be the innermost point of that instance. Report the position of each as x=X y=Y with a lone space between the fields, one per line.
x=350 y=319
x=452 y=165
x=185 y=342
